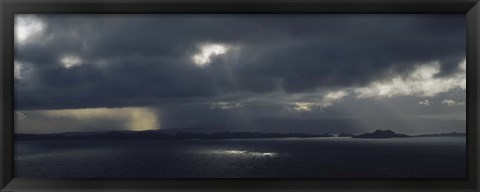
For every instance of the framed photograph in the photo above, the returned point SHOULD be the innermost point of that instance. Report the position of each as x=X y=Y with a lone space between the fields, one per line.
x=232 y=95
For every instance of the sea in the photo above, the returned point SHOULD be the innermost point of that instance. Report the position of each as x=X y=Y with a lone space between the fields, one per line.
x=326 y=158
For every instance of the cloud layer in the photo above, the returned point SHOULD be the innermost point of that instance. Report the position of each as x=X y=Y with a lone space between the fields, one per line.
x=214 y=69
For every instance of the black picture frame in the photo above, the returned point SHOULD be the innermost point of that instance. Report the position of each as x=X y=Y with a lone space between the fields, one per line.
x=9 y=8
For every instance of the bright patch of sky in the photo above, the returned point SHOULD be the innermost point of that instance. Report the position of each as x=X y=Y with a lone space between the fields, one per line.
x=70 y=61
x=225 y=105
x=26 y=27
x=421 y=82
x=208 y=52
x=17 y=69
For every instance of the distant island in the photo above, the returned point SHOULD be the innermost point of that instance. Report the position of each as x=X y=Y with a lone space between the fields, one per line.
x=390 y=134
x=159 y=135
x=155 y=135
x=381 y=134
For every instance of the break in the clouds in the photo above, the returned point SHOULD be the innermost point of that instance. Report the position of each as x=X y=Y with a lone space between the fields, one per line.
x=17 y=70
x=219 y=70
x=207 y=52
x=224 y=105
x=70 y=61
x=425 y=102
x=27 y=28
x=450 y=102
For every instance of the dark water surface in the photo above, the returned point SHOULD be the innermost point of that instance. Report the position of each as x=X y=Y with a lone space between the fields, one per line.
x=442 y=157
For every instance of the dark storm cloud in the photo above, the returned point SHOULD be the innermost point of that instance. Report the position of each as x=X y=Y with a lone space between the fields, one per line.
x=146 y=60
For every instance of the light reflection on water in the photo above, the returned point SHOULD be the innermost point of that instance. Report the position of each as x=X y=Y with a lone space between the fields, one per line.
x=240 y=153
x=262 y=158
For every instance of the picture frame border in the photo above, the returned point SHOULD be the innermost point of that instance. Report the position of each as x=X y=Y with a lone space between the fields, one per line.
x=8 y=9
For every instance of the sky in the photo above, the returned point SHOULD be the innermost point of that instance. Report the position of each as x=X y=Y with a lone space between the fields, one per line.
x=324 y=73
